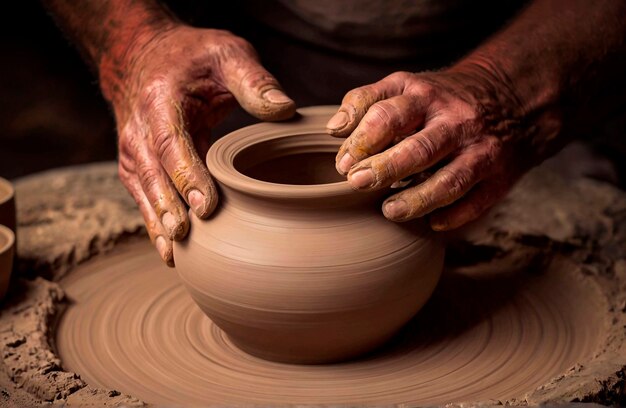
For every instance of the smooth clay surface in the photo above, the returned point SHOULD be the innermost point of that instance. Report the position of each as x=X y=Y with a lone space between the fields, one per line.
x=295 y=266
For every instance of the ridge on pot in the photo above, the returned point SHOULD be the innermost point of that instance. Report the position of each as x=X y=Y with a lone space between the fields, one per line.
x=294 y=265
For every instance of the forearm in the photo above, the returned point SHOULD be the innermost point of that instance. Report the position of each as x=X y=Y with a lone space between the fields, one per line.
x=108 y=31
x=563 y=54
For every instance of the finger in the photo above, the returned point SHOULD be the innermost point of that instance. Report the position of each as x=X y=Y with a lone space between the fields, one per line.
x=256 y=90
x=446 y=186
x=175 y=150
x=472 y=206
x=356 y=103
x=412 y=155
x=156 y=231
x=384 y=121
x=137 y=158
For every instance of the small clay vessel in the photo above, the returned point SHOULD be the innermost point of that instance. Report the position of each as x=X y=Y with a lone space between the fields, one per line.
x=294 y=265
x=7 y=204
x=7 y=251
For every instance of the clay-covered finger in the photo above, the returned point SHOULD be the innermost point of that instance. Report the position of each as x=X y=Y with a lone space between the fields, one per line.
x=256 y=90
x=410 y=156
x=156 y=231
x=473 y=205
x=446 y=186
x=164 y=198
x=175 y=150
x=384 y=122
x=356 y=103
x=137 y=158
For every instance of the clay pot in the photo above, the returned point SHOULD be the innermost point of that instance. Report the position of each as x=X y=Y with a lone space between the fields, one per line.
x=7 y=249
x=7 y=204
x=295 y=266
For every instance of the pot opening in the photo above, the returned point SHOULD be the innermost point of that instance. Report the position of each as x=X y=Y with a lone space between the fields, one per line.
x=289 y=161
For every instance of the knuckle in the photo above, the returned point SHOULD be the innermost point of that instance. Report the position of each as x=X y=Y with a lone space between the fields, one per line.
x=455 y=182
x=131 y=145
x=152 y=94
x=233 y=45
x=163 y=140
x=382 y=113
x=258 y=78
x=425 y=90
x=240 y=43
x=419 y=149
x=125 y=177
x=149 y=176
x=400 y=76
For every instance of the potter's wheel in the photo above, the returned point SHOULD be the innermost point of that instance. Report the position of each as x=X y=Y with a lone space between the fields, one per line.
x=495 y=335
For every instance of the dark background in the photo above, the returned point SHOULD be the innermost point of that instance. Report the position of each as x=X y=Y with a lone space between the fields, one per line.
x=52 y=113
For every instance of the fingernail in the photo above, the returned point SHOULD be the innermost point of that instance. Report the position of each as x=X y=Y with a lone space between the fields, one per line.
x=197 y=202
x=395 y=209
x=362 y=178
x=276 y=96
x=170 y=224
x=346 y=162
x=338 y=121
x=161 y=246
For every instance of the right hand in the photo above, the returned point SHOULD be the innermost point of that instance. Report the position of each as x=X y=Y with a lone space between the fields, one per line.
x=167 y=93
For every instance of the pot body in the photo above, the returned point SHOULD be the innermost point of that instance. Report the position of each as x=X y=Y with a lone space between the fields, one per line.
x=304 y=273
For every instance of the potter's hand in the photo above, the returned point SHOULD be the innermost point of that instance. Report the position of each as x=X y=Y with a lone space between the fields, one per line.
x=463 y=124
x=168 y=84
x=481 y=123
x=179 y=85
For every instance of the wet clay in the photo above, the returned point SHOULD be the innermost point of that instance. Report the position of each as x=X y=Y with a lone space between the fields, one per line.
x=489 y=333
x=296 y=266
x=568 y=229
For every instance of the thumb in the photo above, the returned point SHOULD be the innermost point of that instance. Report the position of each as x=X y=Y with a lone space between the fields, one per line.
x=256 y=90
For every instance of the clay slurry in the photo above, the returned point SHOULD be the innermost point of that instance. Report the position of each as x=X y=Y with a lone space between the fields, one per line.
x=485 y=335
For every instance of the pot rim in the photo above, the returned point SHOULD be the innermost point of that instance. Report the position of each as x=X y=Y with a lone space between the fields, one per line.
x=310 y=121
x=10 y=236
x=10 y=191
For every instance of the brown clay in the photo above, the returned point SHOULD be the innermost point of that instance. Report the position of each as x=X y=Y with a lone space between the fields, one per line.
x=7 y=204
x=149 y=337
x=489 y=333
x=296 y=266
x=7 y=250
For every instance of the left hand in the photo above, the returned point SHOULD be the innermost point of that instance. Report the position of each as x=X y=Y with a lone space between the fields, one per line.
x=467 y=123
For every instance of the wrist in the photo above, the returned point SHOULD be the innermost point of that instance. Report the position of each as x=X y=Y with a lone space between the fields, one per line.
x=521 y=104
